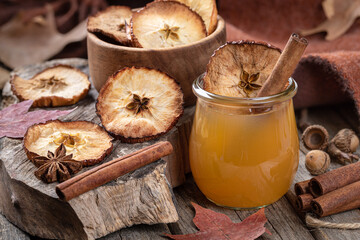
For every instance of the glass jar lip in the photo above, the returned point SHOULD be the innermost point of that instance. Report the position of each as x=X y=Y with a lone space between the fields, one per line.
x=288 y=93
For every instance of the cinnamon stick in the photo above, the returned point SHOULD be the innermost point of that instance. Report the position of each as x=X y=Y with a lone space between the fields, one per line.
x=302 y=187
x=303 y=202
x=340 y=200
x=111 y=170
x=334 y=179
x=284 y=66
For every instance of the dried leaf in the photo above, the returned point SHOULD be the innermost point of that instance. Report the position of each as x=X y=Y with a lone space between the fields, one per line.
x=218 y=226
x=35 y=41
x=15 y=119
x=341 y=15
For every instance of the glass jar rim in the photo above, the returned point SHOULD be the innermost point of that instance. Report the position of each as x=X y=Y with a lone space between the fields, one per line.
x=287 y=94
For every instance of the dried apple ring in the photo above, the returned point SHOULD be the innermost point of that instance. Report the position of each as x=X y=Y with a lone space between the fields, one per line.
x=207 y=11
x=239 y=69
x=166 y=24
x=87 y=141
x=139 y=104
x=111 y=23
x=60 y=85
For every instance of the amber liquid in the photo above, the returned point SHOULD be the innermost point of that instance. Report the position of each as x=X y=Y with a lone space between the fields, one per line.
x=242 y=159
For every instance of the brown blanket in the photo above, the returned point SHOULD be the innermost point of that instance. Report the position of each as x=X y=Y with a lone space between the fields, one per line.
x=330 y=70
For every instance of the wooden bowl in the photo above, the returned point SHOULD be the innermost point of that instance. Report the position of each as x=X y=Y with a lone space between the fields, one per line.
x=184 y=63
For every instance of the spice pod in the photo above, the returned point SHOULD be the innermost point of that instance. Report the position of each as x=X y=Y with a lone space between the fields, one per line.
x=315 y=137
x=56 y=166
x=317 y=162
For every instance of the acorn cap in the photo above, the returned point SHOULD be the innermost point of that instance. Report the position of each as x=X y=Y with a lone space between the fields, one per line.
x=315 y=137
x=207 y=11
x=60 y=85
x=139 y=104
x=166 y=24
x=87 y=141
x=111 y=23
x=239 y=69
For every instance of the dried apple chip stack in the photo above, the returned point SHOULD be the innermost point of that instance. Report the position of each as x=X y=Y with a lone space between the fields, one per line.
x=160 y=24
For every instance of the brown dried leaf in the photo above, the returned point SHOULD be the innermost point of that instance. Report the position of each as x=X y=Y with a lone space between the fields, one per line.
x=213 y=225
x=341 y=15
x=35 y=41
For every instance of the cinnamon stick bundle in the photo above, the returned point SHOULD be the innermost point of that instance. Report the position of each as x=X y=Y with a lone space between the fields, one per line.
x=302 y=187
x=111 y=170
x=334 y=179
x=284 y=66
x=340 y=200
x=303 y=202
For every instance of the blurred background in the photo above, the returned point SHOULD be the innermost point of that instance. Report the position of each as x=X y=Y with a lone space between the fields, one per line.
x=37 y=30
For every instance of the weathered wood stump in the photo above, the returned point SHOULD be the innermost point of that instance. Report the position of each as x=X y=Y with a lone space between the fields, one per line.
x=143 y=196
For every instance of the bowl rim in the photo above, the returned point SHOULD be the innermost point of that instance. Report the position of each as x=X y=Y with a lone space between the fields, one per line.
x=219 y=28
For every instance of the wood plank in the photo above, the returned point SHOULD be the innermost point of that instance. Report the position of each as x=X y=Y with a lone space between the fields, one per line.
x=143 y=232
x=9 y=231
x=333 y=122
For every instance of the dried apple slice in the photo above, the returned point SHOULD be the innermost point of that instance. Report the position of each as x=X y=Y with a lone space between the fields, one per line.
x=87 y=141
x=206 y=9
x=139 y=104
x=112 y=23
x=239 y=69
x=166 y=24
x=60 y=85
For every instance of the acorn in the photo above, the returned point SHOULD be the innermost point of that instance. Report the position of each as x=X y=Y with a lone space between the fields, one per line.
x=315 y=137
x=343 y=146
x=317 y=162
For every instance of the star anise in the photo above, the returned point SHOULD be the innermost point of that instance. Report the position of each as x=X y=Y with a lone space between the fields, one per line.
x=171 y=32
x=138 y=104
x=56 y=166
x=247 y=82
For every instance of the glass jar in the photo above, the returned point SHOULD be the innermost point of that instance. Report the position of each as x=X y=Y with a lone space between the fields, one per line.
x=244 y=152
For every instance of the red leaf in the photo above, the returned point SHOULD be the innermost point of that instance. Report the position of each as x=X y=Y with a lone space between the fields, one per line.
x=15 y=119
x=218 y=226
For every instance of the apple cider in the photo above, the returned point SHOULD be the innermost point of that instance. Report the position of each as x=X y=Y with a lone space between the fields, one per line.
x=244 y=152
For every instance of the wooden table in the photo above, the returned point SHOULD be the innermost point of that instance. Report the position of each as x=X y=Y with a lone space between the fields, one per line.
x=283 y=222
